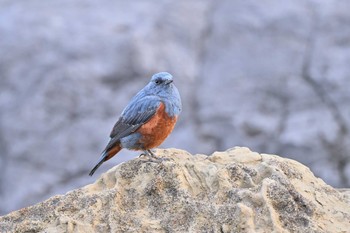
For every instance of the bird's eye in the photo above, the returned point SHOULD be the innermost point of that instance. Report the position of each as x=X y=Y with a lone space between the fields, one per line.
x=158 y=81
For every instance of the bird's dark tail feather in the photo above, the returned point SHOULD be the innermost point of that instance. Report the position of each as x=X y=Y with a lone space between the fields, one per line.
x=100 y=161
x=106 y=154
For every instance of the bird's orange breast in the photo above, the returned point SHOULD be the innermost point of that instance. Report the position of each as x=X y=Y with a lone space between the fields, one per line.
x=157 y=129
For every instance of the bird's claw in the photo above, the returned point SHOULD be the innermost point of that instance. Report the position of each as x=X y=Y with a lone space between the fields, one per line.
x=152 y=157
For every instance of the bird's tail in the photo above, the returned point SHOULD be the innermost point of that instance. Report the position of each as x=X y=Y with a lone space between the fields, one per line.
x=106 y=154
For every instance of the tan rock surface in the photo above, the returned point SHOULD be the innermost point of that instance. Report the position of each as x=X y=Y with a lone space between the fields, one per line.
x=232 y=191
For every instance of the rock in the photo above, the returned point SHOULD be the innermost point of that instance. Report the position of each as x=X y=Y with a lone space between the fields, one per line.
x=233 y=191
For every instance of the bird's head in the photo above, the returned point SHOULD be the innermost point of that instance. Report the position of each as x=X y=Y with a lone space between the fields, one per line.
x=161 y=83
x=162 y=79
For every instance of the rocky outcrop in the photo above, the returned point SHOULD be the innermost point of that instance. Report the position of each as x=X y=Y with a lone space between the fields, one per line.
x=233 y=191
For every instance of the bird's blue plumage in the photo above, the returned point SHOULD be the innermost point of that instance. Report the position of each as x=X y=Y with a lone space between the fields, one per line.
x=131 y=141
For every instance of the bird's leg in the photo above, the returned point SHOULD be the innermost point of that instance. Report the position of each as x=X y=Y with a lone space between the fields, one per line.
x=151 y=156
x=142 y=154
x=161 y=159
x=150 y=153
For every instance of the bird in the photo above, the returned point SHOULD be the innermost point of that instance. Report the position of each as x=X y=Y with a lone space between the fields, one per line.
x=146 y=121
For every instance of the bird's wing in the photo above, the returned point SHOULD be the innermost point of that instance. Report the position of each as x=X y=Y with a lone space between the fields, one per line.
x=136 y=114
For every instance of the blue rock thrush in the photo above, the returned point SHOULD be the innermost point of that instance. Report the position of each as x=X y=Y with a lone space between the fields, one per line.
x=147 y=120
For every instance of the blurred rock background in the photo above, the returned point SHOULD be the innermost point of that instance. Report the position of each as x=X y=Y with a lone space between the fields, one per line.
x=271 y=75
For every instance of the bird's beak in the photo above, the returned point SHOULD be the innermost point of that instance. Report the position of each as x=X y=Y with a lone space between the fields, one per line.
x=169 y=81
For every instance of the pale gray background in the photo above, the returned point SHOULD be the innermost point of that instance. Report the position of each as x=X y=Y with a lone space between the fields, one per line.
x=271 y=75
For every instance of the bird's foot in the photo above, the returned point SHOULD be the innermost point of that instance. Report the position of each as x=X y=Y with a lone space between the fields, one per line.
x=148 y=153
x=157 y=157
x=152 y=157
x=151 y=154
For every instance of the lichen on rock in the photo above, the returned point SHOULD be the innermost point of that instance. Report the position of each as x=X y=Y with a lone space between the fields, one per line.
x=233 y=191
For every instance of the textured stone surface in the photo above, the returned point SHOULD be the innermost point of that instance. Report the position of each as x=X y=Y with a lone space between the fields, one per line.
x=270 y=75
x=233 y=191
